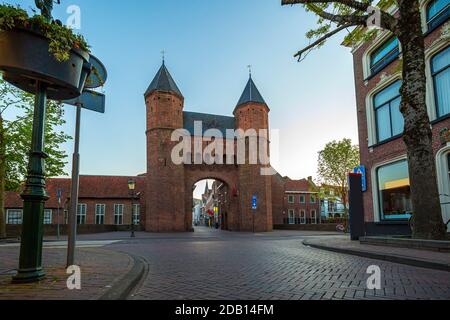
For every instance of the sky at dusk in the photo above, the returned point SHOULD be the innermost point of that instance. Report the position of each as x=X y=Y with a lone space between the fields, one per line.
x=208 y=46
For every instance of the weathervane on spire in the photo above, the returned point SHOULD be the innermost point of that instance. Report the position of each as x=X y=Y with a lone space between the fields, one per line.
x=249 y=70
x=163 y=54
x=46 y=7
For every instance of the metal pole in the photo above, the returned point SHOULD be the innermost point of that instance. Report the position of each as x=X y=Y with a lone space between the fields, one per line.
x=74 y=193
x=58 y=233
x=34 y=197
x=132 y=215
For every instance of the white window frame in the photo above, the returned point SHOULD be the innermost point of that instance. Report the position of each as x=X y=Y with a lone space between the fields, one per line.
x=302 y=216
x=118 y=214
x=50 y=212
x=302 y=196
x=291 y=197
x=136 y=211
x=437 y=47
x=20 y=220
x=370 y=107
x=82 y=212
x=291 y=221
x=444 y=180
x=311 y=197
x=102 y=213
x=377 y=43
x=375 y=191
x=423 y=14
x=314 y=217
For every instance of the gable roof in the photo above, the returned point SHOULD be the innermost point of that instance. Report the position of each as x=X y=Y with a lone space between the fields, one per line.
x=209 y=121
x=163 y=81
x=91 y=187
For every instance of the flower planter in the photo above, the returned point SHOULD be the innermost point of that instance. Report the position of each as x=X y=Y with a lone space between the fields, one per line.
x=25 y=59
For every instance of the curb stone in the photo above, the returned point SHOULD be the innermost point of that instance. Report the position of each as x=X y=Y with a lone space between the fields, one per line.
x=384 y=257
x=122 y=288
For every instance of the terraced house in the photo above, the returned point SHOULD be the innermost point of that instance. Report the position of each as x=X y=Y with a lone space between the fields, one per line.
x=378 y=78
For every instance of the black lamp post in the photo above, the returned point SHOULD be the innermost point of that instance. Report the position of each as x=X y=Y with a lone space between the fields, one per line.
x=131 y=189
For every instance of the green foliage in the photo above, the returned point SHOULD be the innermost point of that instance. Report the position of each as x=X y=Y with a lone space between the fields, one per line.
x=357 y=34
x=336 y=160
x=62 y=39
x=18 y=132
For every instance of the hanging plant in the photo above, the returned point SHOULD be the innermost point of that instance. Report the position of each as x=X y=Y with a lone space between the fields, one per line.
x=61 y=39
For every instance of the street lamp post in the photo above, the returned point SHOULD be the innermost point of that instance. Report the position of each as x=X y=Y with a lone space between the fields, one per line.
x=34 y=197
x=131 y=189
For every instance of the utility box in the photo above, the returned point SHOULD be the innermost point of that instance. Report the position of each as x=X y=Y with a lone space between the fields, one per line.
x=356 y=206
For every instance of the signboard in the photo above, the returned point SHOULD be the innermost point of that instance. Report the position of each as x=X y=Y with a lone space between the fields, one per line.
x=90 y=100
x=362 y=171
x=255 y=202
x=58 y=195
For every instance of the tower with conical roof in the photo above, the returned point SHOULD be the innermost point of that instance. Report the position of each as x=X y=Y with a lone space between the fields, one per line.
x=165 y=180
x=252 y=113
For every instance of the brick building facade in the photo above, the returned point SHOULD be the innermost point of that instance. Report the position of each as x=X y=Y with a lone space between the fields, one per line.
x=377 y=68
x=165 y=192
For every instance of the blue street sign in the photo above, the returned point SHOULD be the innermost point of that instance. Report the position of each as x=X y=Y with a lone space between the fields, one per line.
x=58 y=195
x=362 y=171
x=90 y=100
x=255 y=202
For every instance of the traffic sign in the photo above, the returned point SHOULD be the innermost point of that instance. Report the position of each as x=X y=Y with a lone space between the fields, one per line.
x=255 y=202
x=362 y=171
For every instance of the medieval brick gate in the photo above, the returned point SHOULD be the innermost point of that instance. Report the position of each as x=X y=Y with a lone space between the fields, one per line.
x=169 y=186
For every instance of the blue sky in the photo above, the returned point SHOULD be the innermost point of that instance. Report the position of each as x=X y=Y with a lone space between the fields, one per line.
x=208 y=46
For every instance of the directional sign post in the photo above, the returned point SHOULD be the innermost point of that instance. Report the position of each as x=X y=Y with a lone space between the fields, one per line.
x=255 y=202
x=94 y=101
x=362 y=171
x=254 y=208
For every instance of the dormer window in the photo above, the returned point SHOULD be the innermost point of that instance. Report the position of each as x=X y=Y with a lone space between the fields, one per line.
x=438 y=11
x=384 y=55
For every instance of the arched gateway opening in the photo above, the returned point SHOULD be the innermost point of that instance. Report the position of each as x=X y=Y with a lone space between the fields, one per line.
x=214 y=199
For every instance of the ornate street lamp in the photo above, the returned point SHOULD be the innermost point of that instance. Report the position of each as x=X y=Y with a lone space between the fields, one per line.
x=131 y=189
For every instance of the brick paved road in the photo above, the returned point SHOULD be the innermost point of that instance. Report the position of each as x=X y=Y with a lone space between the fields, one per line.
x=222 y=265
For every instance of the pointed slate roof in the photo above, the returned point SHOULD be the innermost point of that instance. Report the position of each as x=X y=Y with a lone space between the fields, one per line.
x=251 y=94
x=206 y=188
x=163 y=81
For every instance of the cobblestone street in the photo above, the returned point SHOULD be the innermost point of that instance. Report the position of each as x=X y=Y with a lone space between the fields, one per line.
x=221 y=265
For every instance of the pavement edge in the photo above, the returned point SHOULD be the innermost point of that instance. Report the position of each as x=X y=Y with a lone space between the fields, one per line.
x=384 y=257
x=123 y=288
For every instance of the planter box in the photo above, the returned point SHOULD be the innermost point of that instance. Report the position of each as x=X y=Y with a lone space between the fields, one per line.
x=25 y=59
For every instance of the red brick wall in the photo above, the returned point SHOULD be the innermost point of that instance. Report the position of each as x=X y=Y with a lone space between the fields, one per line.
x=251 y=182
x=165 y=180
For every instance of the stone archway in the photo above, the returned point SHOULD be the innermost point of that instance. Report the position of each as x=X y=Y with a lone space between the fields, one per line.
x=228 y=175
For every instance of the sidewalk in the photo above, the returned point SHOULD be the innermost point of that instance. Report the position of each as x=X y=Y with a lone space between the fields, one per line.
x=101 y=271
x=414 y=257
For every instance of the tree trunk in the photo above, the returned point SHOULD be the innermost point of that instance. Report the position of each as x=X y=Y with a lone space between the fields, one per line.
x=2 y=180
x=418 y=134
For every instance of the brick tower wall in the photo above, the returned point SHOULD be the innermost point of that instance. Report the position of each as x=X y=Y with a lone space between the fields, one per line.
x=165 y=180
x=251 y=182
